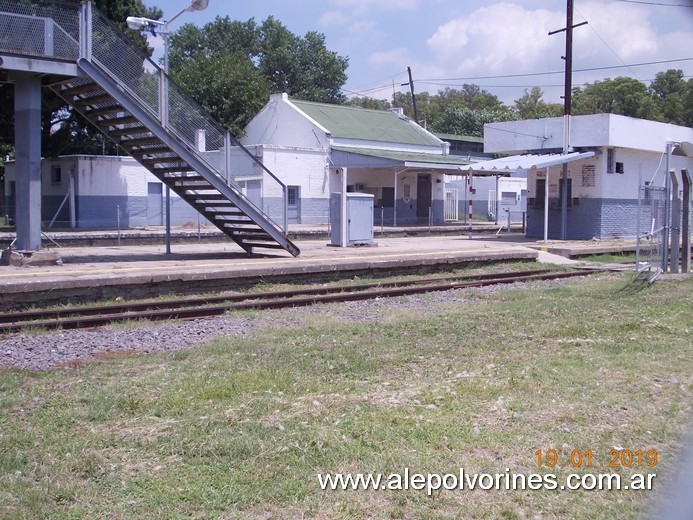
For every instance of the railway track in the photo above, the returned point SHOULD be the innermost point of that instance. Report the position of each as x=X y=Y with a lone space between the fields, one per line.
x=203 y=307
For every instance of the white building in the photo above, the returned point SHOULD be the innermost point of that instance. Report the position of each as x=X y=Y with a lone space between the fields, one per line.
x=310 y=146
x=618 y=155
x=85 y=191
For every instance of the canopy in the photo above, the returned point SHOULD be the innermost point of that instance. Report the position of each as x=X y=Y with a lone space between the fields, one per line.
x=517 y=163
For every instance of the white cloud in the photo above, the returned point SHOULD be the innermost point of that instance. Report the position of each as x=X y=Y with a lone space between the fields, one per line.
x=362 y=6
x=331 y=18
x=497 y=38
x=396 y=58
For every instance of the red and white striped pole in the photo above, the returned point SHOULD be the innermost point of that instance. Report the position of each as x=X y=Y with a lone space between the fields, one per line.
x=471 y=192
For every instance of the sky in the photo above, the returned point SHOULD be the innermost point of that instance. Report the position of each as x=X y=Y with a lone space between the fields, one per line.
x=504 y=47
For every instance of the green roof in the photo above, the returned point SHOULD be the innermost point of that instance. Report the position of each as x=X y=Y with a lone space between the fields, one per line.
x=408 y=157
x=366 y=124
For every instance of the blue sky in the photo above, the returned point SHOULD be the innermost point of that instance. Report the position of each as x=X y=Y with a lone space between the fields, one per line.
x=492 y=44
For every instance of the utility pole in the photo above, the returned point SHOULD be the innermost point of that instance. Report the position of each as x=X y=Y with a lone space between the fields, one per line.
x=567 y=110
x=413 y=95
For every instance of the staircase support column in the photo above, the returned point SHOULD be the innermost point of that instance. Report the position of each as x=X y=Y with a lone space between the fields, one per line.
x=27 y=110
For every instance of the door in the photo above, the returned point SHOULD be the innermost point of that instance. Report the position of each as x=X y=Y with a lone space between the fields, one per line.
x=423 y=197
x=155 y=204
x=293 y=204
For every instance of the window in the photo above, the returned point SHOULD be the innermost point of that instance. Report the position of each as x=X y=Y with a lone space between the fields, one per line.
x=56 y=175
x=508 y=198
x=610 y=160
x=292 y=195
x=387 y=198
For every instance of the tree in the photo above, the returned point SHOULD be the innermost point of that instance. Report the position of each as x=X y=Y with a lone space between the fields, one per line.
x=271 y=57
x=622 y=95
x=531 y=106
x=670 y=92
x=466 y=121
x=232 y=92
x=64 y=131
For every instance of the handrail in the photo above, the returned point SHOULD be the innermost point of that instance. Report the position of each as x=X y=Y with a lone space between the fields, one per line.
x=71 y=31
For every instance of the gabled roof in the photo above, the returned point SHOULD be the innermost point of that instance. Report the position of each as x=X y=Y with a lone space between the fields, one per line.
x=366 y=124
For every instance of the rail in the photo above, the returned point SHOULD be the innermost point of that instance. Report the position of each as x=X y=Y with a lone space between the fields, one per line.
x=195 y=308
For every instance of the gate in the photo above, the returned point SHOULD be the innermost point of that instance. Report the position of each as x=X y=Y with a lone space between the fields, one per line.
x=451 y=205
x=651 y=240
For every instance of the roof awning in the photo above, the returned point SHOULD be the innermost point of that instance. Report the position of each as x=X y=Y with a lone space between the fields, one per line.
x=375 y=158
x=520 y=163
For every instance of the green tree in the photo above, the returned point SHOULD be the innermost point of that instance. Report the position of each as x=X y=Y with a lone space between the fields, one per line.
x=622 y=95
x=268 y=56
x=531 y=106
x=233 y=90
x=670 y=92
x=467 y=121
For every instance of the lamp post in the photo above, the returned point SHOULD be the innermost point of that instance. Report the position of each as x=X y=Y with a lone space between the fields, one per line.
x=156 y=27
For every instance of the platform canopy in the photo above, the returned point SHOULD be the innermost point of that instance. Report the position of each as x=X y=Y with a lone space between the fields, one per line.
x=517 y=165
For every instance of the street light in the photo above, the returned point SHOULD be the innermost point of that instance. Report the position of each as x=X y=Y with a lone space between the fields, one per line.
x=139 y=23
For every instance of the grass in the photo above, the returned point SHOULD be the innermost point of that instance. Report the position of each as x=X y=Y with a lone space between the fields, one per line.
x=242 y=427
x=611 y=258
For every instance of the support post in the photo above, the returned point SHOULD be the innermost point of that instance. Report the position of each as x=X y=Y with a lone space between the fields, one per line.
x=675 y=223
x=667 y=208
x=686 y=222
x=73 y=212
x=345 y=213
x=546 y=206
x=168 y=220
x=496 y=205
x=27 y=110
x=471 y=205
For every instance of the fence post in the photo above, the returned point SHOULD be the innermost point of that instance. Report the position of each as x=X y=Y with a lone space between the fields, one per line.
x=118 y=222
x=686 y=222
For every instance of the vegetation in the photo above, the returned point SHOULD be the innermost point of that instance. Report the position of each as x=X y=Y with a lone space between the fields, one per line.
x=64 y=131
x=231 y=67
x=669 y=99
x=242 y=427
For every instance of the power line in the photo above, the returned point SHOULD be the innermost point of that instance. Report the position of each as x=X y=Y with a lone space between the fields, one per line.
x=589 y=69
x=654 y=3
x=609 y=47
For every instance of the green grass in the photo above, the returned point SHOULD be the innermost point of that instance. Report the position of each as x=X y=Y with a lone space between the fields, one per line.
x=242 y=427
x=611 y=258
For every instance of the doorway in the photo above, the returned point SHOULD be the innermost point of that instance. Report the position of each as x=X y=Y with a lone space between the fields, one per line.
x=423 y=196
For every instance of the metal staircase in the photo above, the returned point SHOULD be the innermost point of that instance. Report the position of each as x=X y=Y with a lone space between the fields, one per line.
x=132 y=101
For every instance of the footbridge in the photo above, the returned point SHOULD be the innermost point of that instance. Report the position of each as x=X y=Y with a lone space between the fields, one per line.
x=78 y=53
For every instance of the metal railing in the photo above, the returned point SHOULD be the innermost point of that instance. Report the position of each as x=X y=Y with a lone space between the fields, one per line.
x=69 y=31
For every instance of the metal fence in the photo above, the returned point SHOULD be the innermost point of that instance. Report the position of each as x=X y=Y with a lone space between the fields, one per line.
x=651 y=241
x=64 y=31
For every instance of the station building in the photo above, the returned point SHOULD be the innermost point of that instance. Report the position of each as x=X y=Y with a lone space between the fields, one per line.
x=612 y=156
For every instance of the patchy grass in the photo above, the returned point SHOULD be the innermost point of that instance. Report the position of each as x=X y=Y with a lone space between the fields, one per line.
x=241 y=428
x=611 y=258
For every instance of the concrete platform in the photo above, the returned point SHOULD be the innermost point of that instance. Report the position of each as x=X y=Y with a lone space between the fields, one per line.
x=140 y=271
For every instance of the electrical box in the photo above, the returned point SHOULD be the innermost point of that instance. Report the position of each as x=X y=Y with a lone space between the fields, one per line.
x=359 y=225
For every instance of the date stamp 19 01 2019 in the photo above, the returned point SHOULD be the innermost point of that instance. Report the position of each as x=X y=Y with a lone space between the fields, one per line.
x=617 y=458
